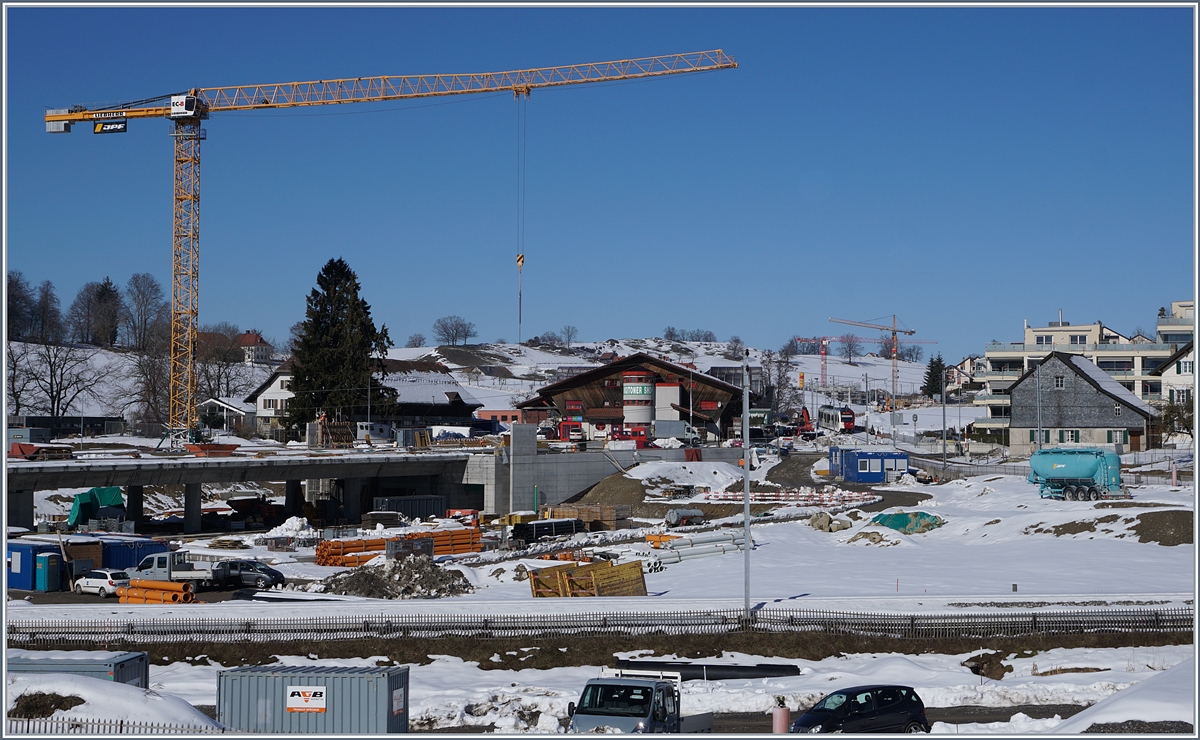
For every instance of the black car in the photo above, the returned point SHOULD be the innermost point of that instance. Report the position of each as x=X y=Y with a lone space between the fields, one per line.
x=866 y=709
x=252 y=573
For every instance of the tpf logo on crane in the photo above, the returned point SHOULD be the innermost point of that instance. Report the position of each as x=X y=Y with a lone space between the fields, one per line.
x=306 y=698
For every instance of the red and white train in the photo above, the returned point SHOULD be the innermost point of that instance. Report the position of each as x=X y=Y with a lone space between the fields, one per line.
x=834 y=419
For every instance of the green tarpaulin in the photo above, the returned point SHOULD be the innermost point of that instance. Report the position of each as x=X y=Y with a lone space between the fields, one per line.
x=913 y=523
x=89 y=502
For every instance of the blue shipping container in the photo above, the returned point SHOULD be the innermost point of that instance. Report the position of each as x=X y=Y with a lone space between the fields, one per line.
x=21 y=568
x=126 y=554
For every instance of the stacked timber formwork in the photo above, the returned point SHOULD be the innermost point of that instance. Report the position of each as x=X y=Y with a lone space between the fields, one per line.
x=600 y=578
x=595 y=517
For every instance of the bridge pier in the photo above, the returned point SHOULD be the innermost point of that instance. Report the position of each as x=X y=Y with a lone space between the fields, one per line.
x=191 y=508
x=134 y=502
x=352 y=489
x=20 y=509
x=293 y=498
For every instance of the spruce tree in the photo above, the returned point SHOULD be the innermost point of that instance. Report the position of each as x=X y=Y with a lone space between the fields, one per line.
x=338 y=353
x=933 y=377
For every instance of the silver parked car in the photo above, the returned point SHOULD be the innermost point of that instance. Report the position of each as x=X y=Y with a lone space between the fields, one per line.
x=104 y=581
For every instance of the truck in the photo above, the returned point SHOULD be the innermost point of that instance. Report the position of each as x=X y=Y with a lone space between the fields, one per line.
x=174 y=566
x=680 y=430
x=627 y=700
x=1077 y=474
x=684 y=517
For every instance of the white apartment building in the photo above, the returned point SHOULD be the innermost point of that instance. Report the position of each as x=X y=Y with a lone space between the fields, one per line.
x=1130 y=361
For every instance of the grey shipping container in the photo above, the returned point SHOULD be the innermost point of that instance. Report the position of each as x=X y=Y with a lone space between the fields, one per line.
x=403 y=548
x=122 y=667
x=314 y=699
x=424 y=507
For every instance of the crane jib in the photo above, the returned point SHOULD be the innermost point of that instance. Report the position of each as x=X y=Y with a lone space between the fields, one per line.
x=187 y=110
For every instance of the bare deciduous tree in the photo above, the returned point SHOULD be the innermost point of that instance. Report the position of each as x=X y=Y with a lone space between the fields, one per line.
x=777 y=368
x=569 y=334
x=415 y=341
x=851 y=347
x=221 y=369
x=144 y=304
x=18 y=386
x=451 y=329
x=62 y=375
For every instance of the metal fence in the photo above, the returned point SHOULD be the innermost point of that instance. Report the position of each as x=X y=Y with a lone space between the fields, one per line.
x=73 y=726
x=130 y=632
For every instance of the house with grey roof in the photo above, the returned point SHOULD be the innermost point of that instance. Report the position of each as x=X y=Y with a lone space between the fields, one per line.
x=1075 y=403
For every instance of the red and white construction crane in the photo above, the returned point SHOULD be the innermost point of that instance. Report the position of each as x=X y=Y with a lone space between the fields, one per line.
x=895 y=348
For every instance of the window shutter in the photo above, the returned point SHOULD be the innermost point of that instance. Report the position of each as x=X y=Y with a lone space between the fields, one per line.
x=1046 y=436
x=1126 y=436
x=1110 y=436
x=1171 y=395
x=1179 y=368
x=1060 y=436
x=1032 y=435
x=1078 y=438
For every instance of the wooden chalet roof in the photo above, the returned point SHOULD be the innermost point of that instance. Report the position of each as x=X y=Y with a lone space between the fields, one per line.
x=589 y=388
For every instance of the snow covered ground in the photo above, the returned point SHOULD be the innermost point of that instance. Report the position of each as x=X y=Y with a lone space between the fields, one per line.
x=997 y=533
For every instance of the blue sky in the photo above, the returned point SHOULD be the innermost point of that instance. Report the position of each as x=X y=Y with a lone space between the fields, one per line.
x=963 y=168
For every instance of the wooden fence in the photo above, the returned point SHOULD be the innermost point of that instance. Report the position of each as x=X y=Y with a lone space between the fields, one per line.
x=74 y=726
x=110 y=633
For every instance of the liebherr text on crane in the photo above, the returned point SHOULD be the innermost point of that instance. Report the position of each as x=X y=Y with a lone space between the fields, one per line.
x=188 y=109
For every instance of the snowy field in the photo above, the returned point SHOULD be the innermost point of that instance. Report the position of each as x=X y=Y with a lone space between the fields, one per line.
x=997 y=533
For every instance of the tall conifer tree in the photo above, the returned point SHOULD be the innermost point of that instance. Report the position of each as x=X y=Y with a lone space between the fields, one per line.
x=338 y=353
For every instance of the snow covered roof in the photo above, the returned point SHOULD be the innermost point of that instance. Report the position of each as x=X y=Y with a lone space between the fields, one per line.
x=426 y=382
x=233 y=404
x=1105 y=382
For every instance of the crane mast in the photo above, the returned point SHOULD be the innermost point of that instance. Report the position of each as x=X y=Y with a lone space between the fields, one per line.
x=187 y=110
x=895 y=350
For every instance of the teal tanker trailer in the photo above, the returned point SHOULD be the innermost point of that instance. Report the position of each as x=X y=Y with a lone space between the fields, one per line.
x=1077 y=474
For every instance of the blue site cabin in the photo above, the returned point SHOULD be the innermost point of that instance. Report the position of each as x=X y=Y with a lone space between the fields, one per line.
x=871 y=464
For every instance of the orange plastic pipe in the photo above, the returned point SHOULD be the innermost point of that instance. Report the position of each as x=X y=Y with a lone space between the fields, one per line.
x=161 y=585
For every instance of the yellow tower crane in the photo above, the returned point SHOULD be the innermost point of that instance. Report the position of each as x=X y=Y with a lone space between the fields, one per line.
x=188 y=109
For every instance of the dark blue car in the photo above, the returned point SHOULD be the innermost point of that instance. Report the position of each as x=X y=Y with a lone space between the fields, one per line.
x=866 y=709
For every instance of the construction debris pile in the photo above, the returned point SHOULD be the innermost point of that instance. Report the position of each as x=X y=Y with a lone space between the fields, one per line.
x=413 y=577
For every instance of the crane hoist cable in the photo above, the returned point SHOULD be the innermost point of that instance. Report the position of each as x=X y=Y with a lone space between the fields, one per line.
x=187 y=110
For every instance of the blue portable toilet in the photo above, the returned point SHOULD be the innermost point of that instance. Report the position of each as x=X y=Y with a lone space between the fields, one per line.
x=21 y=564
x=48 y=578
x=872 y=464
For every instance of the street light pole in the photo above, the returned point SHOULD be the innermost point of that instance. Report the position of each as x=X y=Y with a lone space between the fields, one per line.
x=746 y=473
x=943 y=422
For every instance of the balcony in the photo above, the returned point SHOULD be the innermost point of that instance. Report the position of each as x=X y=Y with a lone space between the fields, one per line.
x=1168 y=321
x=991 y=423
x=998 y=375
x=1126 y=347
x=992 y=398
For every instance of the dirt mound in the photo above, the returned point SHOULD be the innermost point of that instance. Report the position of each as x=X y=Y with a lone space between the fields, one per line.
x=414 y=577
x=34 y=706
x=1168 y=528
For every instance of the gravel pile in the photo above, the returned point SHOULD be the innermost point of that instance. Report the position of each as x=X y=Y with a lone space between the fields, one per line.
x=414 y=577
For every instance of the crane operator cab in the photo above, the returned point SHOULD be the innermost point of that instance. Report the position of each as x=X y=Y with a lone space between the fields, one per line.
x=186 y=106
